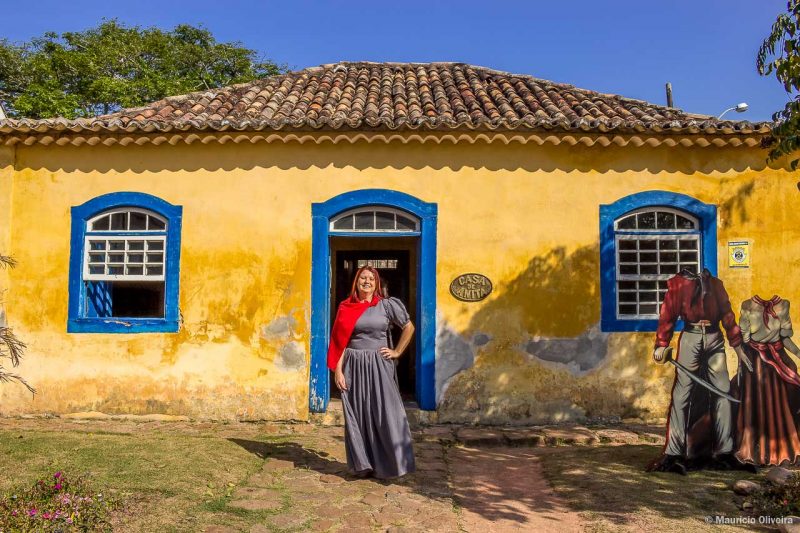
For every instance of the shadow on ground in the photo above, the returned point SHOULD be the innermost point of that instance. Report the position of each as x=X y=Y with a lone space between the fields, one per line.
x=326 y=457
x=302 y=457
x=609 y=484
x=506 y=487
x=494 y=487
x=312 y=467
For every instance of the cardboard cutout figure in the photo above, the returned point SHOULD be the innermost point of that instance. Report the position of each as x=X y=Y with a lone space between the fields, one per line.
x=701 y=388
x=767 y=418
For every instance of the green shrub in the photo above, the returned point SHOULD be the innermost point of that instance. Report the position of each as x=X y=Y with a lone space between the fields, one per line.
x=778 y=500
x=59 y=504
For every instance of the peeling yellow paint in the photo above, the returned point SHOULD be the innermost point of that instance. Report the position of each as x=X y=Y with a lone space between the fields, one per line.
x=525 y=216
x=6 y=187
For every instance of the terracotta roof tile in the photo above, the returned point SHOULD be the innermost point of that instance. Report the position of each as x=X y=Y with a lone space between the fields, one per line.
x=434 y=96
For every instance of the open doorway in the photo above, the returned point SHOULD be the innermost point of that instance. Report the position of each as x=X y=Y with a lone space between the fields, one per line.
x=375 y=220
x=395 y=258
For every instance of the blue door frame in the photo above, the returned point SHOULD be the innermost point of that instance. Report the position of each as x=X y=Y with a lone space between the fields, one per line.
x=321 y=214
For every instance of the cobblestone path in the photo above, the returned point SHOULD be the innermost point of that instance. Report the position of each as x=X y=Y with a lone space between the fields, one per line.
x=468 y=479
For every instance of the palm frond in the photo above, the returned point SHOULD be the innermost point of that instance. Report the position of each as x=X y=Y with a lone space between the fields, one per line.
x=8 y=377
x=7 y=261
x=11 y=346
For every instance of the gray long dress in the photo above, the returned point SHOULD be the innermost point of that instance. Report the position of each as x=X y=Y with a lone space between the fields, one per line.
x=376 y=432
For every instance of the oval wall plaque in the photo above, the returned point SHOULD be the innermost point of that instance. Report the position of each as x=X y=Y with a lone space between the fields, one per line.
x=471 y=287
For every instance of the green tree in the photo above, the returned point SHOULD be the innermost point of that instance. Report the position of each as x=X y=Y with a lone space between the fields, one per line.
x=780 y=55
x=10 y=346
x=103 y=69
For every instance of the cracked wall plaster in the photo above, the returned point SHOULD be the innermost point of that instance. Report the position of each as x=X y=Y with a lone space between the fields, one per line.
x=454 y=354
x=579 y=354
x=280 y=328
x=291 y=357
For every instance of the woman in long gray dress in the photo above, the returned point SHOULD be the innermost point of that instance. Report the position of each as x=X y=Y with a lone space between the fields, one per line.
x=377 y=436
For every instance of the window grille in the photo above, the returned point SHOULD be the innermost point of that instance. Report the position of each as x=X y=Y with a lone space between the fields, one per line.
x=125 y=245
x=132 y=259
x=652 y=245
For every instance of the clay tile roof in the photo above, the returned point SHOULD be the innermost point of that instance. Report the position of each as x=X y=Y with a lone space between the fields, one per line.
x=397 y=96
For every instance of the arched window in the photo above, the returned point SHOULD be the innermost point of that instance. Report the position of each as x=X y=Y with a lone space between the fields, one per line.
x=653 y=244
x=374 y=219
x=125 y=244
x=124 y=265
x=645 y=239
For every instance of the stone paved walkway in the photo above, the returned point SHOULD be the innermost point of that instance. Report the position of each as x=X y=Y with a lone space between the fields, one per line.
x=483 y=486
x=315 y=471
x=503 y=489
x=455 y=489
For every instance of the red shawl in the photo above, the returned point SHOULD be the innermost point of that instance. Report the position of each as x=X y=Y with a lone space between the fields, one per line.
x=769 y=307
x=348 y=314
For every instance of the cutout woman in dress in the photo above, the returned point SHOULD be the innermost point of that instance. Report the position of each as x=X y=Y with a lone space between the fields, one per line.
x=767 y=419
x=377 y=436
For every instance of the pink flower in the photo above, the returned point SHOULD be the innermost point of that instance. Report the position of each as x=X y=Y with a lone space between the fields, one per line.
x=47 y=516
x=32 y=512
x=57 y=474
x=69 y=520
x=57 y=486
x=13 y=513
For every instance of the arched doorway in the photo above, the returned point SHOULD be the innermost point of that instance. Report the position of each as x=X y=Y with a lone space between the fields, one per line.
x=396 y=233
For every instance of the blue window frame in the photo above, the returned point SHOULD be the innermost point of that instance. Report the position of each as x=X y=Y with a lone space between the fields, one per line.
x=645 y=238
x=124 y=265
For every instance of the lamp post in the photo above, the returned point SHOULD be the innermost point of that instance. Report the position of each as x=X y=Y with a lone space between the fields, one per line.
x=739 y=108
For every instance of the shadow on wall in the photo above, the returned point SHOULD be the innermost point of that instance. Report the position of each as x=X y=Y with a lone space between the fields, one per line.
x=554 y=297
x=414 y=155
x=557 y=295
x=545 y=359
x=736 y=204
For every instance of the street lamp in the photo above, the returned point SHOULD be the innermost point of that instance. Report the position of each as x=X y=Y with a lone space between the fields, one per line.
x=739 y=108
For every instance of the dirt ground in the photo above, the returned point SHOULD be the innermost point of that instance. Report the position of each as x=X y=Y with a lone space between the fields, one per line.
x=182 y=476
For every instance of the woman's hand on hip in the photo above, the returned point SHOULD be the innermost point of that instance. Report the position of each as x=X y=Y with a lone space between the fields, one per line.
x=339 y=378
x=388 y=353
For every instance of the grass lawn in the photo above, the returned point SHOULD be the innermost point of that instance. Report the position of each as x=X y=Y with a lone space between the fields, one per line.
x=170 y=481
x=608 y=486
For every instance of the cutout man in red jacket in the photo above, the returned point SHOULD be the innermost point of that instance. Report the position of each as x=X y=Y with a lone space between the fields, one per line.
x=701 y=301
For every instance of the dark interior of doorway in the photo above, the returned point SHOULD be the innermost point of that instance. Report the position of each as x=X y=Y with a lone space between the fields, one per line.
x=395 y=258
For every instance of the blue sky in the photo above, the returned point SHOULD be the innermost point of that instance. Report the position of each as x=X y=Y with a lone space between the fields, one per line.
x=705 y=48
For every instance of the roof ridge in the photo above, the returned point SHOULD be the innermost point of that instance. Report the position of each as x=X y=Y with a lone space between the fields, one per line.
x=439 y=95
x=487 y=70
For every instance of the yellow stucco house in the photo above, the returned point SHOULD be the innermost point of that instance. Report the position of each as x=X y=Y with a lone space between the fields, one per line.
x=185 y=258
